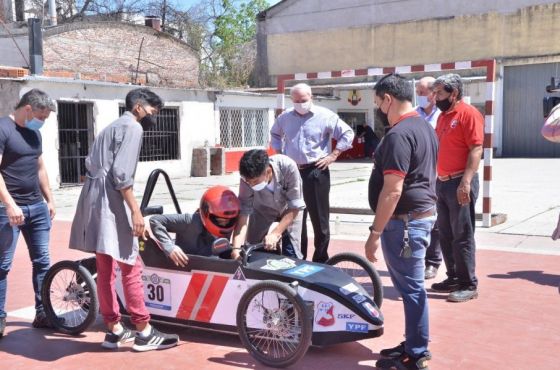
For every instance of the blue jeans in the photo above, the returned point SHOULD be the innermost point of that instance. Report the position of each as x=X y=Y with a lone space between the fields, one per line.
x=35 y=229
x=407 y=275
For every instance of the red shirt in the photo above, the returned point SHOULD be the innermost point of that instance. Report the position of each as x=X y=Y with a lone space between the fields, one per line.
x=458 y=130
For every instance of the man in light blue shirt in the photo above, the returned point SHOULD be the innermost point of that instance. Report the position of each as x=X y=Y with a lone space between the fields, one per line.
x=426 y=100
x=427 y=109
x=304 y=133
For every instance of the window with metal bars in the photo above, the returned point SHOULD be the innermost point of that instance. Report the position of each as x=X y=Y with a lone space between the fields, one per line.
x=161 y=142
x=243 y=127
x=75 y=136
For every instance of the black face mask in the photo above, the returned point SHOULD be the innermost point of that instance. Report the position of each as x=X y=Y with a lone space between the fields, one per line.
x=148 y=121
x=382 y=117
x=443 y=105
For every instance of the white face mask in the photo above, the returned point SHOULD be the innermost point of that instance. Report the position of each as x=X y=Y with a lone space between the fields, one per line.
x=422 y=101
x=260 y=186
x=303 y=108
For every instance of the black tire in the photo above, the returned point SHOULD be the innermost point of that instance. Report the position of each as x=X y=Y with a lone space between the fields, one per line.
x=364 y=273
x=69 y=296
x=290 y=332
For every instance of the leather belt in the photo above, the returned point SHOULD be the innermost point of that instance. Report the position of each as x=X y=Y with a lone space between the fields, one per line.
x=415 y=215
x=451 y=176
x=306 y=165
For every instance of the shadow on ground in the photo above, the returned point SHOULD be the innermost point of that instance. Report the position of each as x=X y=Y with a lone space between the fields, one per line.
x=537 y=277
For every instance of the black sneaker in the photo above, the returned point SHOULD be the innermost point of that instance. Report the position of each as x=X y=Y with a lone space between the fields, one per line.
x=393 y=352
x=41 y=321
x=404 y=362
x=155 y=340
x=462 y=295
x=447 y=286
x=114 y=341
x=2 y=326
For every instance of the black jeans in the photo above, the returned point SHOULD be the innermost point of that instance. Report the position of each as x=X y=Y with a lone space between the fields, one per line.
x=433 y=253
x=316 y=187
x=456 y=231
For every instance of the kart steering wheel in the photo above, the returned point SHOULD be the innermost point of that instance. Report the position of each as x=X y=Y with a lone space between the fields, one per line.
x=248 y=249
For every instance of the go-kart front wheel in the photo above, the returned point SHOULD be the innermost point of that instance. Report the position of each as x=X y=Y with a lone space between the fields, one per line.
x=274 y=323
x=70 y=297
x=361 y=270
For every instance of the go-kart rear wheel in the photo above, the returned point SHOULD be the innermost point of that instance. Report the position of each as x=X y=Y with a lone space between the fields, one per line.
x=69 y=296
x=274 y=323
x=361 y=270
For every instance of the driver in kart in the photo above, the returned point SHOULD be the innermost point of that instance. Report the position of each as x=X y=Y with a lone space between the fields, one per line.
x=194 y=233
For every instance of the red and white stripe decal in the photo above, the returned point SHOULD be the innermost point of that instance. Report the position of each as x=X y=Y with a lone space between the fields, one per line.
x=202 y=296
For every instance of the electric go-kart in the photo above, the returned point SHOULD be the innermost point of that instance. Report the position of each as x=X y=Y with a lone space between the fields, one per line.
x=278 y=306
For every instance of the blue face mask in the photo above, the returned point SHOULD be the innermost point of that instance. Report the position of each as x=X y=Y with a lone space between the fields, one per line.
x=34 y=124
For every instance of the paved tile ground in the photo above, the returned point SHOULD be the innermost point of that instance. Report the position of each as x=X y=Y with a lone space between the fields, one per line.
x=513 y=325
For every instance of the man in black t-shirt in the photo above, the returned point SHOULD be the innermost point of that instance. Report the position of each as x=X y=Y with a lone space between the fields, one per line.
x=23 y=184
x=402 y=196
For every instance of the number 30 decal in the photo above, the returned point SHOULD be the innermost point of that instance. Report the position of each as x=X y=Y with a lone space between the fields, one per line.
x=155 y=292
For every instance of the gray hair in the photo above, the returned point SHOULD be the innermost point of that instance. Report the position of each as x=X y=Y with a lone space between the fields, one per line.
x=38 y=100
x=449 y=82
x=303 y=87
x=428 y=81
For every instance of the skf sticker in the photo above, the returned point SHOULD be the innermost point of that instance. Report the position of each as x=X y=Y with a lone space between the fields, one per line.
x=325 y=314
x=345 y=316
x=283 y=264
x=357 y=327
x=369 y=308
x=348 y=289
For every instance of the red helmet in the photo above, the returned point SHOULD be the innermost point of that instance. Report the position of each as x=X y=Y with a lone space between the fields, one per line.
x=219 y=202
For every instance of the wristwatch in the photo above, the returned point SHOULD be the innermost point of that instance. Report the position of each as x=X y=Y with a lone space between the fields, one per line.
x=375 y=232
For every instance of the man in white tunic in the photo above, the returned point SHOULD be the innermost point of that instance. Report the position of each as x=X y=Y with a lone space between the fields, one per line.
x=108 y=222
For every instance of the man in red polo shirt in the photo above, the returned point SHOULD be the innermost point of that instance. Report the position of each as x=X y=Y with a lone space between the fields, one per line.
x=460 y=130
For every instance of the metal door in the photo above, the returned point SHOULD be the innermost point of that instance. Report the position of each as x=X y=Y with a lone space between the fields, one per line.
x=524 y=89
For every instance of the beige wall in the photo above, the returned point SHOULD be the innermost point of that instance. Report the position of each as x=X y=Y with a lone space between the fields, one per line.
x=532 y=31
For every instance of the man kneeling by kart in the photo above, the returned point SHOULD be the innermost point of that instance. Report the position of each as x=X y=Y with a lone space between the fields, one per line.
x=271 y=199
x=195 y=233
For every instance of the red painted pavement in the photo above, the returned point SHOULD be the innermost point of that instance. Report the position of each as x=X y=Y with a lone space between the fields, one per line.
x=514 y=324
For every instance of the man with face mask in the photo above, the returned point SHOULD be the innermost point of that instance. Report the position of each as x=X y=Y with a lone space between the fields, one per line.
x=24 y=188
x=460 y=130
x=270 y=191
x=402 y=196
x=304 y=134
x=108 y=222
x=427 y=109
x=426 y=100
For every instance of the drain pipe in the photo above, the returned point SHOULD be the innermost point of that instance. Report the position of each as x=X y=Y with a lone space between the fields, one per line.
x=35 y=46
x=52 y=13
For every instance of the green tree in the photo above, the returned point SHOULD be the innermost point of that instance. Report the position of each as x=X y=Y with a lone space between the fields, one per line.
x=230 y=51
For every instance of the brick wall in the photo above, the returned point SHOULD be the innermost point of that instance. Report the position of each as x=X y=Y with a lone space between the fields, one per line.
x=108 y=51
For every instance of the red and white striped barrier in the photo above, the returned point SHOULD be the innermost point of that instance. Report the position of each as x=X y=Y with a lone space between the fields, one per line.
x=489 y=65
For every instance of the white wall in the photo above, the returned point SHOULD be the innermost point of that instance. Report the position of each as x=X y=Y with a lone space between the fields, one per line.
x=316 y=15
x=198 y=124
